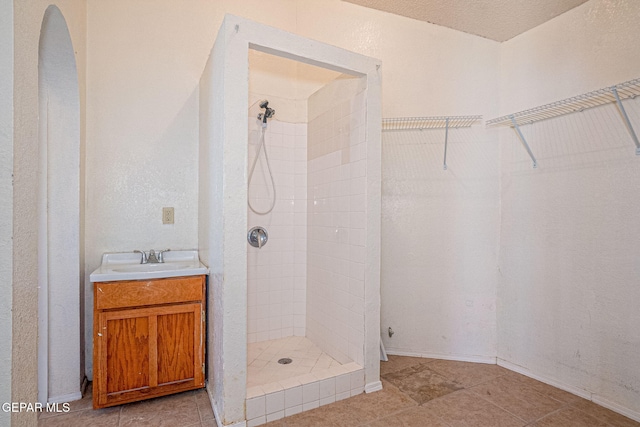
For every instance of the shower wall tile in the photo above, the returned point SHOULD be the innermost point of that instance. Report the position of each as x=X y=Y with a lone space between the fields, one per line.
x=256 y=407
x=277 y=271
x=336 y=204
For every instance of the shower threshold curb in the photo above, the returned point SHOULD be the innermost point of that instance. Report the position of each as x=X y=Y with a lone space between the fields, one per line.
x=300 y=380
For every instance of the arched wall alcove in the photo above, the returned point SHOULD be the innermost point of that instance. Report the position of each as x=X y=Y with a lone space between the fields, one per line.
x=59 y=214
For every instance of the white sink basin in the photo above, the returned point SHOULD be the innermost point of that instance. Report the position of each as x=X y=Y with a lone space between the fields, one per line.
x=165 y=266
x=126 y=266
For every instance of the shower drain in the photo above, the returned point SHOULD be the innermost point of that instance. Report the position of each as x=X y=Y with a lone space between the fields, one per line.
x=285 y=361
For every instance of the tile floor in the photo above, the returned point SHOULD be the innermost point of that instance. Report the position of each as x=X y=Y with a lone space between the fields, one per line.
x=262 y=360
x=417 y=393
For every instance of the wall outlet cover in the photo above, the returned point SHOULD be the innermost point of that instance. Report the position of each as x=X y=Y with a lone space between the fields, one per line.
x=167 y=215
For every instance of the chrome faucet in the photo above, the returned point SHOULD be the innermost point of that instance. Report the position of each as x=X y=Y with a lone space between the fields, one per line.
x=160 y=255
x=153 y=257
x=144 y=258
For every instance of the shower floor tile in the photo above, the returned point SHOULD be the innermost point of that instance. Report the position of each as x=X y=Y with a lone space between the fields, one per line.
x=263 y=366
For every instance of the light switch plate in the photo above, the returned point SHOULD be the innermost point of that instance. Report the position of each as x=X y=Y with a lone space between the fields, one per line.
x=167 y=215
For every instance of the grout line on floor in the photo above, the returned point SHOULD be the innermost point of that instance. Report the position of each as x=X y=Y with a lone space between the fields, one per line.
x=498 y=406
x=548 y=414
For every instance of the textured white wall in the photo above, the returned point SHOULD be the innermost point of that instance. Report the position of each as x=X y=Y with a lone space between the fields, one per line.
x=6 y=195
x=26 y=32
x=439 y=228
x=142 y=130
x=590 y=47
x=439 y=243
x=568 y=289
x=59 y=205
x=222 y=223
x=210 y=216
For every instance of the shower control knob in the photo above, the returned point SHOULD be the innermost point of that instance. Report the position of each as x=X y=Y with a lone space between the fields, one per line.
x=257 y=237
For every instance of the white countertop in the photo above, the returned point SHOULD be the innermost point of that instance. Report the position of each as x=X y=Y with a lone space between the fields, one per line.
x=126 y=266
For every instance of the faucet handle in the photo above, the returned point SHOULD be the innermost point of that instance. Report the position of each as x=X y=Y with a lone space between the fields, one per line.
x=143 y=259
x=160 y=254
x=152 y=258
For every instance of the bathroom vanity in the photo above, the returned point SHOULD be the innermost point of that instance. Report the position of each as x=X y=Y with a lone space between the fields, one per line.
x=149 y=332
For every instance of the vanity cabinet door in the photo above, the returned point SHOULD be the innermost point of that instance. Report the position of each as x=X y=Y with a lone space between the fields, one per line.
x=147 y=352
x=179 y=347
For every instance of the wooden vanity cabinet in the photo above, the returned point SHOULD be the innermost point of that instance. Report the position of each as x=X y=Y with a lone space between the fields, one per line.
x=148 y=338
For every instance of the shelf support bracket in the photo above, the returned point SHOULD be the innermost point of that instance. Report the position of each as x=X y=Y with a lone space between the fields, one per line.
x=524 y=141
x=446 y=138
x=626 y=120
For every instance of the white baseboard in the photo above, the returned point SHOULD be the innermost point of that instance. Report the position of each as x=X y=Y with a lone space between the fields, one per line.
x=372 y=387
x=394 y=352
x=629 y=413
x=65 y=398
x=217 y=415
x=557 y=384
x=491 y=360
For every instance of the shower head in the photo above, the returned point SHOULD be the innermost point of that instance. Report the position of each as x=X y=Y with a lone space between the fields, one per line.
x=268 y=112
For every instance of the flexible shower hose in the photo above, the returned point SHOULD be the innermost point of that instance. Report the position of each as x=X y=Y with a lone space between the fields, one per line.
x=261 y=146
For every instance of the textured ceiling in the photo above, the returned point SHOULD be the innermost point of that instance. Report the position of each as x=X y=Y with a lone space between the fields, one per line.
x=497 y=20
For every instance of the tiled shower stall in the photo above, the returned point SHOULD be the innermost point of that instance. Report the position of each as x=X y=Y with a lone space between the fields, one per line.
x=312 y=293
x=305 y=287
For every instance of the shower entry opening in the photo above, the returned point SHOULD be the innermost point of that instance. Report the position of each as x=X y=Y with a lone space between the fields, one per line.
x=307 y=191
x=294 y=301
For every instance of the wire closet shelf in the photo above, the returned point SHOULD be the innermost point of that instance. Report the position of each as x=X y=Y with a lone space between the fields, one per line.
x=435 y=122
x=617 y=93
x=575 y=104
